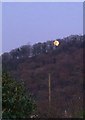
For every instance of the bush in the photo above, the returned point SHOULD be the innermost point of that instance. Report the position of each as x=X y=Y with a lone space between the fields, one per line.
x=15 y=102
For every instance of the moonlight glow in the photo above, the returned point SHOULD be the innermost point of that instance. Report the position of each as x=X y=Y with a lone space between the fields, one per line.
x=56 y=43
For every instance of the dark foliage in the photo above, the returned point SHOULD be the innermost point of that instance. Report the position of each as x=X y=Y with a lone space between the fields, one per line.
x=15 y=102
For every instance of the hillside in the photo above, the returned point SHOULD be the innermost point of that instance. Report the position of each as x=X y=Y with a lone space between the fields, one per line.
x=32 y=65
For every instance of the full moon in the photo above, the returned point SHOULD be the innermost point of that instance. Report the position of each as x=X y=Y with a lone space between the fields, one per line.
x=56 y=43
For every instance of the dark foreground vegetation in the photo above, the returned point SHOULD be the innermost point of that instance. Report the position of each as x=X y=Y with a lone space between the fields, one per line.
x=32 y=64
x=16 y=103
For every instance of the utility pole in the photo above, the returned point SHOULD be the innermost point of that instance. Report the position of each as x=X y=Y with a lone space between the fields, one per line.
x=49 y=85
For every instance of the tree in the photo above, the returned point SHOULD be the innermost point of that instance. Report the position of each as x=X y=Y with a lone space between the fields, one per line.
x=25 y=51
x=37 y=49
x=49 y=46
x=44 y=47
x=16 y=103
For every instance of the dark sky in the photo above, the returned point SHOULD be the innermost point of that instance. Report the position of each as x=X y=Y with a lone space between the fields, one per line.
x=25 y=23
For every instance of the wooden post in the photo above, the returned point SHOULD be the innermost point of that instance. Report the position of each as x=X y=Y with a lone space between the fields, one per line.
x=49 y=84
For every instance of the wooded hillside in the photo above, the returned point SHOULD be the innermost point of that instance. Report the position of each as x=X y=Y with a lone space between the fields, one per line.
x=32 y=64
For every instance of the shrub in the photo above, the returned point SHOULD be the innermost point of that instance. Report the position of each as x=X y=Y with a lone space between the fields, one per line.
x=15 y=102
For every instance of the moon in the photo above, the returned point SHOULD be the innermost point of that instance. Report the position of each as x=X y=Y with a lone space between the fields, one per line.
x=56 y=43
